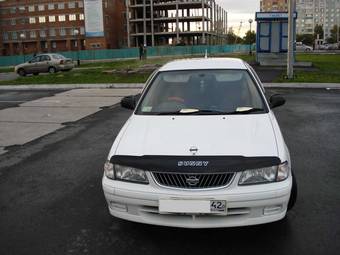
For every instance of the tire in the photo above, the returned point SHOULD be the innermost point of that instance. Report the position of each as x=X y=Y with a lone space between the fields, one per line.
x=36 y=74
x=307 y=50
x=22 y=72
x=293 y=194
x=52 y=70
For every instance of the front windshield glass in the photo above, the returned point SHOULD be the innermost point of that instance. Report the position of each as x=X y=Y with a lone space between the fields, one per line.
x=202 y=91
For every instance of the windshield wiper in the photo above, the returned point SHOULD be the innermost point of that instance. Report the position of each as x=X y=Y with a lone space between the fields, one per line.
x=194 y=112
x=251 y=110
x=209 y=112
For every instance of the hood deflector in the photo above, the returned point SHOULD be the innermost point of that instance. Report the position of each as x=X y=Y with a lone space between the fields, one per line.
x=195 y=164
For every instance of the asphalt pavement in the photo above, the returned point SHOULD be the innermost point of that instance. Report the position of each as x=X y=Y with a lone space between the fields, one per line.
x=12 y=98
x=51 y=201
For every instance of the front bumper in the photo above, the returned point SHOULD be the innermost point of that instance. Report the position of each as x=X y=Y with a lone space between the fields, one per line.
x=246 y=205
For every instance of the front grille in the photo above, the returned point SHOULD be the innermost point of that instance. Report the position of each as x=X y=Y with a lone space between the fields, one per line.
x=193 y=181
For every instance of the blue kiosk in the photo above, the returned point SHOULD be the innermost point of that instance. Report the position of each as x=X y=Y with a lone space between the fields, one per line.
x=272 y=37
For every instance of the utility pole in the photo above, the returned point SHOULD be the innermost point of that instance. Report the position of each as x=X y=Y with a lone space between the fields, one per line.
x=290 y=55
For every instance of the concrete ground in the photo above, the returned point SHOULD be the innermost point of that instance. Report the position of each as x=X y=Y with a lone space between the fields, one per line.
x=33 y=119
x=51 y=201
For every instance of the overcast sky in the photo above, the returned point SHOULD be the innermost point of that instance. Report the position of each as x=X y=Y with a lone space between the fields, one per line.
x=240 y=10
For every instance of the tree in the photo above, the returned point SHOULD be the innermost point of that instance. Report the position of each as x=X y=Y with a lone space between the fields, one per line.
x=250 y=37
x=307 y=39
x=232 y=38
x=318 y=30
x=334 y=34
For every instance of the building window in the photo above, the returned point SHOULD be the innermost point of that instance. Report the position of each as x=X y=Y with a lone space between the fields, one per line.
x=51 y=18
x=54 y=45
x=33 y=34
x=32 y=20
x=41 y=7
x=61 y=18
x=80 y=4
x=51 y=6
x=31 y=8
x=81 y=16
x=61 y=6
x=72 y=17
x=52 y=32
x=13 y=22
x=42 y=19
x=14 y=36
x=5 y=36
x=22 y=8
x=42 y=33
x=62 y=32
x=71 y=5
x=82 y=30
x=12 y=10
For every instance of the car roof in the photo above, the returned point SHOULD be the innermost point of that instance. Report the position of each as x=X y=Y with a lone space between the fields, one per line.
x=204 y=63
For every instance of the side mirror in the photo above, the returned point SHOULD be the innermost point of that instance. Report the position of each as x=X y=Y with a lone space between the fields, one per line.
x=276 y=101
x=130 y=102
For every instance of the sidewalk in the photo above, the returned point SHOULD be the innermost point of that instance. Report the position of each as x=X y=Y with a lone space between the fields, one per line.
x=141 y=85
x=34 y=119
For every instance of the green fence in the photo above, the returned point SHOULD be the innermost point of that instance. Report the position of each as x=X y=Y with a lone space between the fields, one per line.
x=134 y=53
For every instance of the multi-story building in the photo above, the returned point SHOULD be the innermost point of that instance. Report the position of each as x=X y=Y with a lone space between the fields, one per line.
x=163 y=22
x=317 y=12
x=30 y=26
x=274 y=5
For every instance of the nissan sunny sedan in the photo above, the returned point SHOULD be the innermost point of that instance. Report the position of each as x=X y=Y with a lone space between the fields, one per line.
x=202 y=149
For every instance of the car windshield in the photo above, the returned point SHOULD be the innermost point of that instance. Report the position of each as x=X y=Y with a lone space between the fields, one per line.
x=207 y=92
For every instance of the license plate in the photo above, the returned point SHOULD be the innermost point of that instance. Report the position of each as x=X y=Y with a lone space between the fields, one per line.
x=218 y=206
x=192 y=206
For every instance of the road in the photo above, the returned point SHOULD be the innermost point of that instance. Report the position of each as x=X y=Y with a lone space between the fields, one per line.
x=51 y=200
x=12 y=98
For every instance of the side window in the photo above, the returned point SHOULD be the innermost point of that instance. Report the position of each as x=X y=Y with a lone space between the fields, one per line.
x=35 y=59
x=44 y=58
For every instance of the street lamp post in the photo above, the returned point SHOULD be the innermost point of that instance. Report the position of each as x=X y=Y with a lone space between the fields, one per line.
x=250 y=42
x=76 y=33
x=22 y=38
x=290 y=55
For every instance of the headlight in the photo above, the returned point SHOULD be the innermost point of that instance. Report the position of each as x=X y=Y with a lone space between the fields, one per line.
x=265 y=175
x=125 y=173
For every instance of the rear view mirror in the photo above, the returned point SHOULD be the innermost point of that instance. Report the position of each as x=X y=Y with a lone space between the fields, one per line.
x=276 y=101
x=130 y=102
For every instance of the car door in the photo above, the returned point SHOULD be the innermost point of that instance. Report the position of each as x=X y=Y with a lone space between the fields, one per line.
x=32 y=65
x=43 y=64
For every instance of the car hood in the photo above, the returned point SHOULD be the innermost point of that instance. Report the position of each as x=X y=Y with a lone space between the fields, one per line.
x=234 y=135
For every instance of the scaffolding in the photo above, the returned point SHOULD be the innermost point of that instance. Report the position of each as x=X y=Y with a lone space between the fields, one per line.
x=175 y=22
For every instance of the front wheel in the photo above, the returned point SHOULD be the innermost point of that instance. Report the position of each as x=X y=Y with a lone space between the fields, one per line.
x=21 y=72
x=36 y=74
x=293 y=194
x=52 y=70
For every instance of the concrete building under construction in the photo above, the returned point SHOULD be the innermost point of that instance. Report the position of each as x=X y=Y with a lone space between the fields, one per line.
x=176 y=22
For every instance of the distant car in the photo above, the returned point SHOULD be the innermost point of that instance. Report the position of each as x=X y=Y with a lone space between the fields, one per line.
x=45 y=63
x=300 y=47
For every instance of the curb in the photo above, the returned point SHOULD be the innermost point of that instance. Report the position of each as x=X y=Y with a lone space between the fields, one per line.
x=73 y=86
x=141 y=85
x=303 y=85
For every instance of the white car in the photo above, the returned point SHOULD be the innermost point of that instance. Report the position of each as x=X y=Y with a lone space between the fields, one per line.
x=300 y=47
x=202 y=149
